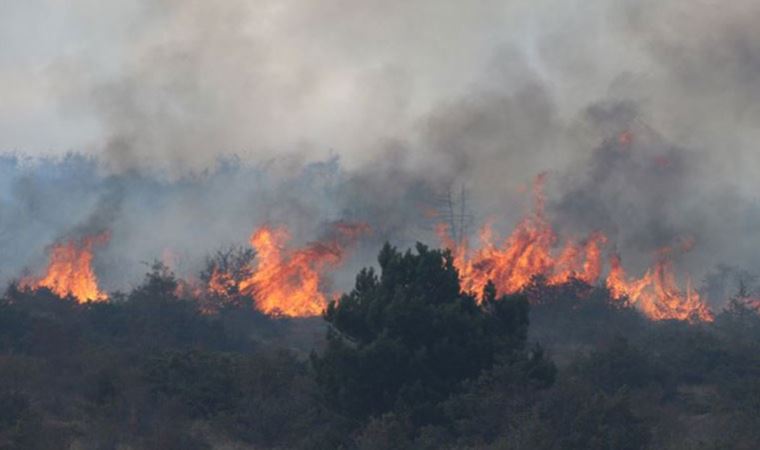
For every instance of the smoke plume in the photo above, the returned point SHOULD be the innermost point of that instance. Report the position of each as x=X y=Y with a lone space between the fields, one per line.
x=192 y=122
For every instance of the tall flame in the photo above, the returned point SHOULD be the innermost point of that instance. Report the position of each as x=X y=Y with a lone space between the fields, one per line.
x=529 y=251
x=657 y=293
x=69 y=271
x=289 y=282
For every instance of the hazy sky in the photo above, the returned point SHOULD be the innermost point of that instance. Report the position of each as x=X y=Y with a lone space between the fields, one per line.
x=186 y=80
x=410 y=95
x=179 y=82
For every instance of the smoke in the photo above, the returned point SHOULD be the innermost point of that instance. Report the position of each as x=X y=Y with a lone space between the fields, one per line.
x=182 y=221
x=644 y=114
x=646 y=192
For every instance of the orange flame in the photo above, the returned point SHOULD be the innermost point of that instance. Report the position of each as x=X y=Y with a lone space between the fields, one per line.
x=221 y=283
x=69 y=272
x=529 y=252
x=289 y=282
x=657 y=293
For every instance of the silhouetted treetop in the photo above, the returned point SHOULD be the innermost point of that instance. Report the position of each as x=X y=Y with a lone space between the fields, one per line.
x=409 y=333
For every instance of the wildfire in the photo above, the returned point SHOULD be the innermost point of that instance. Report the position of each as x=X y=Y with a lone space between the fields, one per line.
x=289 y=282
x=69 y=271
x=529 y=251
x=657 y=293
x=221 y=283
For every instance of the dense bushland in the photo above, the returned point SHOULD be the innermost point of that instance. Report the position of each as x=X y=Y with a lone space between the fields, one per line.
x=405 y=360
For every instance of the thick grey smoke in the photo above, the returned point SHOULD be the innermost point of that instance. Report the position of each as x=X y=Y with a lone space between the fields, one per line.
x=373 y=110
x=646 y=192
x=180 y=222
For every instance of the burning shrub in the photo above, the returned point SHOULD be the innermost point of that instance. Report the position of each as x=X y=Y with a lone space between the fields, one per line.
x=69 y=272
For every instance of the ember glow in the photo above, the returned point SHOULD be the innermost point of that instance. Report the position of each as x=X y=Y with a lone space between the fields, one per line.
x=290 y=282
x=531 y=250
x=70 y=272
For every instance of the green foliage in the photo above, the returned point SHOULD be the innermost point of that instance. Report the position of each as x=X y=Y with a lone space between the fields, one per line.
x=203 y=382
x=619 y=365
x=143 y=369
x=492 y=405
x=579 y=417
x=407 y=338
x=22 y=427
x=410 y=362
x=576 y=312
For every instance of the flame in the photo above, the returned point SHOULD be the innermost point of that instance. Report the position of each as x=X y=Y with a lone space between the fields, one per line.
x=289 y=282
x=219 y=290
x=529 y=251
x=191 y=287
x=657 y=293
x=69 y=271
x=221 y=283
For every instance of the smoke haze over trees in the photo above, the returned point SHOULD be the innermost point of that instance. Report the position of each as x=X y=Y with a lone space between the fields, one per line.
x=176 y=132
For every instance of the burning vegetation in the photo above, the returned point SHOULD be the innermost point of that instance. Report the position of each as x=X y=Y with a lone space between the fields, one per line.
x=290 y=281
x=152 y=370
x=657 y=293
x=69 y=272
x=276 y=279
x=283 y=281
x=432 y=337
x=529 y=252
